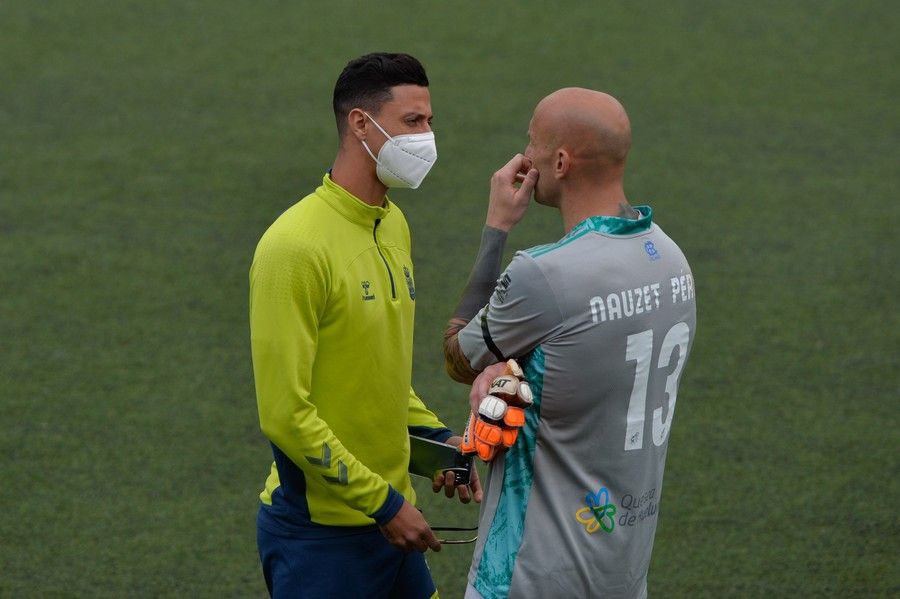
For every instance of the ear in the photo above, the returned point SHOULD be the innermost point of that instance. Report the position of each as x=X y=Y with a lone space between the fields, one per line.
x=563 y=163
x=356 y=124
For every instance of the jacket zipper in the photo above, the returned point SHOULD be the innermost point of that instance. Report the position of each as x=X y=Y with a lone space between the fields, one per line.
x=378 y=247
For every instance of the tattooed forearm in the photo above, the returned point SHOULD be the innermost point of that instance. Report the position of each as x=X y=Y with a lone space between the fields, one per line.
x=455 y=360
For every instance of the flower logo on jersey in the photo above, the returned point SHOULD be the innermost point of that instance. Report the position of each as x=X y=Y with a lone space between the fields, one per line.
x=651 y=250
x=600 y=512
x=366 y=295
x=409 y=283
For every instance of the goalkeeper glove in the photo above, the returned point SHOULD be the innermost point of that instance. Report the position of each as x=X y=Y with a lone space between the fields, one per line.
x=500 y=415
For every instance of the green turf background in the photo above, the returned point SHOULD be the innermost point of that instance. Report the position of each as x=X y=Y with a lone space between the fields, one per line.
x=144 y=147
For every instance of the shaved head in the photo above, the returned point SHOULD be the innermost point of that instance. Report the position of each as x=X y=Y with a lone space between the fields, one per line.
x=578 y=141
x=591 y=125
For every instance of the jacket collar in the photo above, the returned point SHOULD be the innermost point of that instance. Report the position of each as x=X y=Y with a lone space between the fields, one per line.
x=349 y=206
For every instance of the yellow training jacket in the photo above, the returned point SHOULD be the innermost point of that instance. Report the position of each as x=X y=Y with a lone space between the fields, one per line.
x=332 y=301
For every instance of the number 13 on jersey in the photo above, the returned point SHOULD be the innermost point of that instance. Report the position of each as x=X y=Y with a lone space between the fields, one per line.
x=640 y=350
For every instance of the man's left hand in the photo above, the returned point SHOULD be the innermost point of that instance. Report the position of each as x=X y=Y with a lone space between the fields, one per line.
x=447 y=481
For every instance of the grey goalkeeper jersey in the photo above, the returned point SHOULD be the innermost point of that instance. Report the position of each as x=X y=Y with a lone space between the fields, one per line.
x=602 y=322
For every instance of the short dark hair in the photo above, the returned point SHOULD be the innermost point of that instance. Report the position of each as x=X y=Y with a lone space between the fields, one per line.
x=366 y=82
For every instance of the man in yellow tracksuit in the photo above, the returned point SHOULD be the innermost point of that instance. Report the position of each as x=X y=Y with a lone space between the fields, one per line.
x=332 y=302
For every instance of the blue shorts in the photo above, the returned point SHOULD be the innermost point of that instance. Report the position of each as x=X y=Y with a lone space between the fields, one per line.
x=344 y=563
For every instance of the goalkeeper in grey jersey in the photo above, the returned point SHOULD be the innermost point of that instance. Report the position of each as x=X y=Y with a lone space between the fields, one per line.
x=602 y=323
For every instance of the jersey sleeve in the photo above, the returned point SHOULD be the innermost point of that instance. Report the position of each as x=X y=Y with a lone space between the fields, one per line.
x=423 y=422
x=521 y=314
x=288 y=295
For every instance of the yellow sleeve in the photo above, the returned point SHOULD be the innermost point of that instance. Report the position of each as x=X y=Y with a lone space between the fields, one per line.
x=288 y=295
x=423 y=422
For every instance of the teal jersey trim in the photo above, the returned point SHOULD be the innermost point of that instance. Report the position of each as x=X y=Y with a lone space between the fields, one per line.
x=498 y=557
x=611 y=225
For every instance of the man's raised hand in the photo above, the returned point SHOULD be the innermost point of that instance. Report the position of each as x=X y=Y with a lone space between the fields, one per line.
x=511 y=189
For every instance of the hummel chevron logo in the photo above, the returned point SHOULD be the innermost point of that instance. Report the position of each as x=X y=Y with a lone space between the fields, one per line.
x=341 y=478
x=325 y=462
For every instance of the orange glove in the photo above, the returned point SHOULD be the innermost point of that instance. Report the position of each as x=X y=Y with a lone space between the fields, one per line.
x=500 y=415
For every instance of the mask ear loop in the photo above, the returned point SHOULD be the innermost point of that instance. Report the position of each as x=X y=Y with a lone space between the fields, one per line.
x=385 y=133
x=366 y=146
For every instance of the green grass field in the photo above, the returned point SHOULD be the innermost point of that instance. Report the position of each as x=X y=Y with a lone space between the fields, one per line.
x=145 y=147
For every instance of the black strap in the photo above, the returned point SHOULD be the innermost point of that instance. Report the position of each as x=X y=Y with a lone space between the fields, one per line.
x=488 y=340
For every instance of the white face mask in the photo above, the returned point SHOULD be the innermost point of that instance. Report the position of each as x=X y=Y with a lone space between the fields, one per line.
x=403 y=160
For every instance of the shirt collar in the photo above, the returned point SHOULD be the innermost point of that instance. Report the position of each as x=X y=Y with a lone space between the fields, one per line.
x=351 y=207
x=614 y=225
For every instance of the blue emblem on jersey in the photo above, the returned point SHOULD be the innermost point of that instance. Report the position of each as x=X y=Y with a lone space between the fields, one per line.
x=651 y=250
